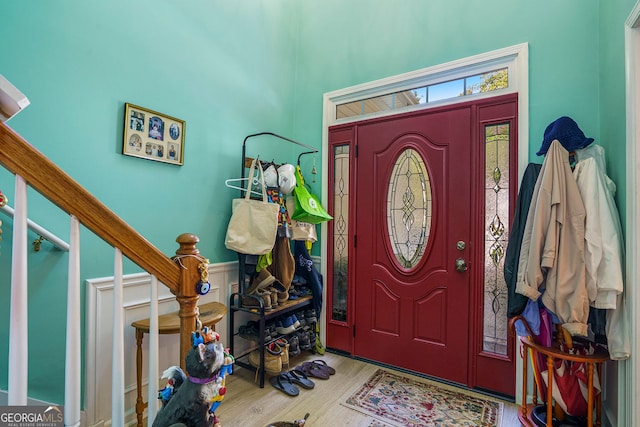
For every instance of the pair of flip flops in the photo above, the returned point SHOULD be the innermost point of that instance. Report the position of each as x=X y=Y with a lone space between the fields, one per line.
x=317 y=369
x=287 y=382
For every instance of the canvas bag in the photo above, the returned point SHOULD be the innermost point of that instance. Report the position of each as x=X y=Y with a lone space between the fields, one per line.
x=308 y=207
x=254 y=223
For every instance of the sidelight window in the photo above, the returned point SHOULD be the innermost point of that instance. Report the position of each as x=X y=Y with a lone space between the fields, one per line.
x=495 y=334
x=340 y=225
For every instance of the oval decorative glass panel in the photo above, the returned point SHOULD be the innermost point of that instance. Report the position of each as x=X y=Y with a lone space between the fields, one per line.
x=409 y=208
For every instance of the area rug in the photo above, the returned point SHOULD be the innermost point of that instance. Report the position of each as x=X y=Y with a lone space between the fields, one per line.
x=400 y=401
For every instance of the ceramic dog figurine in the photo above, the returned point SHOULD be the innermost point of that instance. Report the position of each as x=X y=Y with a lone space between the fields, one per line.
x=189 y=404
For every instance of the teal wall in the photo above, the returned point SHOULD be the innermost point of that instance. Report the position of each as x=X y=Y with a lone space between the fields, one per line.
x=361 y=41
x=612 y=92
x=234 y=68
x=225 y=67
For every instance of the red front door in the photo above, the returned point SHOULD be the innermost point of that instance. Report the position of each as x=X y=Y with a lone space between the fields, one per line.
x=422 y=205
x=413 y=209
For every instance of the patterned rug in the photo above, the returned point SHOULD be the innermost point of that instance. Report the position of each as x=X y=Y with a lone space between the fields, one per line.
x=401 y=401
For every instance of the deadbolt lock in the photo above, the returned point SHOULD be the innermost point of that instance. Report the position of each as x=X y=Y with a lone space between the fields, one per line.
x=461 y=245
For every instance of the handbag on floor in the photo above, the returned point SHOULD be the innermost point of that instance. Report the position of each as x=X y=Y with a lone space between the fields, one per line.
x=253 y=225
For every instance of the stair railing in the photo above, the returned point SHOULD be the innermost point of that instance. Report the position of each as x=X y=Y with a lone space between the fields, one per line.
x=33 y=169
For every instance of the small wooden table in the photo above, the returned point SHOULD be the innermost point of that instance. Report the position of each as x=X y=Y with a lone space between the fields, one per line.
x=210 y=314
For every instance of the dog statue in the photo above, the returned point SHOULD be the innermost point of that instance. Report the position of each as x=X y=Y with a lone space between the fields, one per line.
x=191 y=401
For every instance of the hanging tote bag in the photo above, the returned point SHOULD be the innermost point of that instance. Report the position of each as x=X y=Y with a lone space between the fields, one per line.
x=254 y=223
x=308 y=207
x=301 y=230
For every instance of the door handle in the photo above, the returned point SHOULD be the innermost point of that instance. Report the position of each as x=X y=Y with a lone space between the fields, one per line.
x=461 y=265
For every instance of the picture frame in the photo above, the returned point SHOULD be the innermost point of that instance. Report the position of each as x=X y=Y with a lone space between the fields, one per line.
x=153 y=136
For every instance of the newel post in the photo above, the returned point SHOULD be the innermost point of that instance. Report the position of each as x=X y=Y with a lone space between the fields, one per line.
x=188 y=258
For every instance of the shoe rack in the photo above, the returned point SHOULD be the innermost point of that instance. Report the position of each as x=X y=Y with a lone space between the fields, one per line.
x=259 y=313
x=262 y=318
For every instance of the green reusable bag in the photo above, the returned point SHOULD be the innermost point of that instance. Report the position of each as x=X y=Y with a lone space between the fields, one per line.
x=308 y=206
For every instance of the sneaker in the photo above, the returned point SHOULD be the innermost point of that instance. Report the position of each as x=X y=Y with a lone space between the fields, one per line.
x=299 y=280
x=310 y=315
x=296 y=323
x=251 y=330
x=284 y=326
x=305 y=341
x=294 y=346
x=269 y=332
x=305 y=291
x=293 y=293
x=301 y=319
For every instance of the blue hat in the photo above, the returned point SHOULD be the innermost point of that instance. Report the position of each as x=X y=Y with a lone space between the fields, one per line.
x=565 y=130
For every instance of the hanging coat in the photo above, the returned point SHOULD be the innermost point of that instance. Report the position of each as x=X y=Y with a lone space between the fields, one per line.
x=551 y=260
x=604 y=247
x=517 y=302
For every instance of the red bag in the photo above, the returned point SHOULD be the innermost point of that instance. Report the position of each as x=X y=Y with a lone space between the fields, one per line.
x=570 y=381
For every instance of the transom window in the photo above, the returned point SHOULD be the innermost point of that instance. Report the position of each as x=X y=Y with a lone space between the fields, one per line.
x=404 y=99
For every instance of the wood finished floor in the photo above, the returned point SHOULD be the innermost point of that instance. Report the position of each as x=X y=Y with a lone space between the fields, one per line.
x=247 y=405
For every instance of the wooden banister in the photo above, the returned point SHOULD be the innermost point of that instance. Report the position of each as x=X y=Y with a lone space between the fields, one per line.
x=180 y=273
x=21 y=158
x=189 y=258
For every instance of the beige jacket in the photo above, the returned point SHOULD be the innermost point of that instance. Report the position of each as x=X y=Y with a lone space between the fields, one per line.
x=552 y=261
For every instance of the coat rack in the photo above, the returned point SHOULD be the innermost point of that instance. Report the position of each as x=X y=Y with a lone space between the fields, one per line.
x=244 y=147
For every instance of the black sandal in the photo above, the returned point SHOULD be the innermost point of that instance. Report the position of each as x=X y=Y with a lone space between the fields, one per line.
x=324 y=366
x=298 y=377
x=283 y=383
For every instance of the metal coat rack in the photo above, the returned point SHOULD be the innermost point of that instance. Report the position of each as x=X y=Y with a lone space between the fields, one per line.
x=244 y=147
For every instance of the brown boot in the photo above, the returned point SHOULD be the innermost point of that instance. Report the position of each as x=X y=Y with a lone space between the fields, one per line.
x=283 y=266
x=260 y=281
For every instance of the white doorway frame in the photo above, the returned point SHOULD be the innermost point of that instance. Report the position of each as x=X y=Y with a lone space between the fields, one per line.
x=515 y=58
x=629 y=371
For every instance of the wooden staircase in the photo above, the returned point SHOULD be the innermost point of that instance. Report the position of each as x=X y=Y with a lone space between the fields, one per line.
x=179 y=273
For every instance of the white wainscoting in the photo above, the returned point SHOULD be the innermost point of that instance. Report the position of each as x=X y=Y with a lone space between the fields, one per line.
x=136 y=305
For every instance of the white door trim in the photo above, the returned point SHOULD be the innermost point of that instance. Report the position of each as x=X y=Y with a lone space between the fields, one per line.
x=629 y=371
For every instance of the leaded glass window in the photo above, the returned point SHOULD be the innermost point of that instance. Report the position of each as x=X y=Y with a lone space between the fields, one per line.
x=496 y=237
x=409 y=208
x=340 y=225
